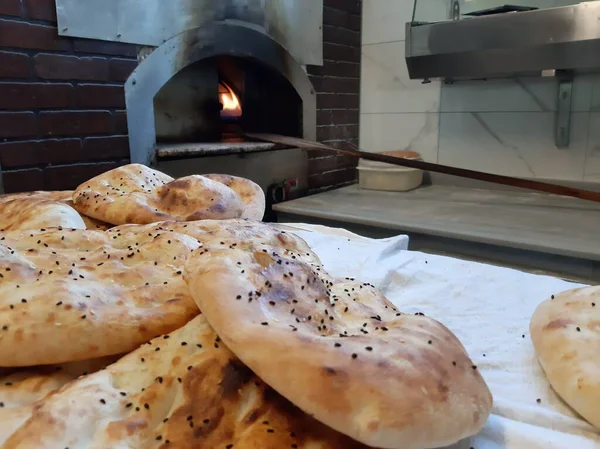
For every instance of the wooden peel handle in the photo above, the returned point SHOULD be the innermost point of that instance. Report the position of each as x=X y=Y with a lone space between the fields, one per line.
x=437 y=168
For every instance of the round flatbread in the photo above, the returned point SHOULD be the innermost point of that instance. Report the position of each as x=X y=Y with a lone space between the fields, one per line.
x=339 y=350
x=74 y=295
x=181 y=390
x=137 y=194
x=250 y=193
x=37 y=210
x=565 y=331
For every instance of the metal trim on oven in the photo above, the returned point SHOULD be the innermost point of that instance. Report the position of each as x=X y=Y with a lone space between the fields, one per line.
x=224 y=38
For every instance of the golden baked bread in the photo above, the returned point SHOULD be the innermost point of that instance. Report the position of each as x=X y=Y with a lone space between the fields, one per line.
x=72 y=294
x=181 y=390
x=136 y=194
x=36 y=210
x=565 y=331
x=339 y=350
x=250 y=193
x=21 y=389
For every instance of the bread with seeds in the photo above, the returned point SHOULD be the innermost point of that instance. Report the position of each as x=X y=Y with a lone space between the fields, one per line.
x=71 y=295
x=339 y=350
x=137 y=194
x=181 y=390
x=21 y=389
x=565 y=331
x=250 y=193
x=37 y=210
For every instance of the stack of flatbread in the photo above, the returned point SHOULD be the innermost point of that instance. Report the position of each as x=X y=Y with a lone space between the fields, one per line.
x=140 y=311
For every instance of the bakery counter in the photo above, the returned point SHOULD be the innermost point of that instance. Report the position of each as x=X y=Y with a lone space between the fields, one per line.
x=531 y=231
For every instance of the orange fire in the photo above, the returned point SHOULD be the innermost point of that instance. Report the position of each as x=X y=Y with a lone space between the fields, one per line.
x=230 y=102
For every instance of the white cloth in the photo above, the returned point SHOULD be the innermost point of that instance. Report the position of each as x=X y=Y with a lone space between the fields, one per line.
x=489 y=309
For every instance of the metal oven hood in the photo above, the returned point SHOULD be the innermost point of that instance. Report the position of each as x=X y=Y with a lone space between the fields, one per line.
x=565 y=38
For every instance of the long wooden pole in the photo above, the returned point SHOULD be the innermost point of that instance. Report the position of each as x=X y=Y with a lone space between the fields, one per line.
x=454 y=171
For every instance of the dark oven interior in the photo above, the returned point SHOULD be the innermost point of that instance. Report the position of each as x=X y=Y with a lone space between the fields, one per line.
x=217 y=99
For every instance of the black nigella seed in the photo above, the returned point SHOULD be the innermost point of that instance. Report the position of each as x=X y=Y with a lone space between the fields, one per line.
x=264 y=323
x=429 y=342
x=354 y=356
x=369 y=348
x=102 y=401
x=578 y=329
x=538 y=400
x=183 y=343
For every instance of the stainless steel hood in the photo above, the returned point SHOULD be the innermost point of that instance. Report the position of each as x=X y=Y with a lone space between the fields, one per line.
x=565 y=38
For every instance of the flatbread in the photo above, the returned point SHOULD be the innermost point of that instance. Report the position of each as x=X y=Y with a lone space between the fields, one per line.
x=21 y=389
x=565 y=331
x=137 y=194
x=182 y=390
x=237 y=233
x=339 y=350
x=250 y=193
x=127 y=282
x=74 y=295
x=37 y=210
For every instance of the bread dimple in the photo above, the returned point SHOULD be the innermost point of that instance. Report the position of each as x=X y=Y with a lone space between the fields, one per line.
x=344 y=353
x=137 y=194
x=250 y=193
x=184 y=389
x=565 y=331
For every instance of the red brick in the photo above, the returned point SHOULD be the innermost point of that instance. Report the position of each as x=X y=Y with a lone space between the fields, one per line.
x=343 y=36
x=100 y=96
x=337 y=132
x=121 y=122
x=10 y=7
x=15 y=34
x=338 y=52
x=338 y=101
x=62 y=151
x=104 y=48
x=335 y=84
x=23 y=180
x=336 y=68
x=103 y=148
x=342 y=19
x=324 y=164
x=35 y=95
x=41 y=9
x=74 y=123
x=331 y=178
x=21 y=154
x=67 y=177
x=40 y=152
x=14 y=65
x=17 y=124
x=64 y=67
x=351 y=6
x=337 y=117
x=120 y=69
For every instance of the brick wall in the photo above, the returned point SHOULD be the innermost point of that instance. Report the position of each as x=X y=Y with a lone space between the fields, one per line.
x=337 y=84
x=62 y=117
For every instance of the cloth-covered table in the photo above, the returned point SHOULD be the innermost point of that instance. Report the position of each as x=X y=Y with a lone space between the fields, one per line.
x=489 y=309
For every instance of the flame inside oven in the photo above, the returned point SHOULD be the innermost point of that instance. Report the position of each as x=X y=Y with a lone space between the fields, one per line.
x=230 y=103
